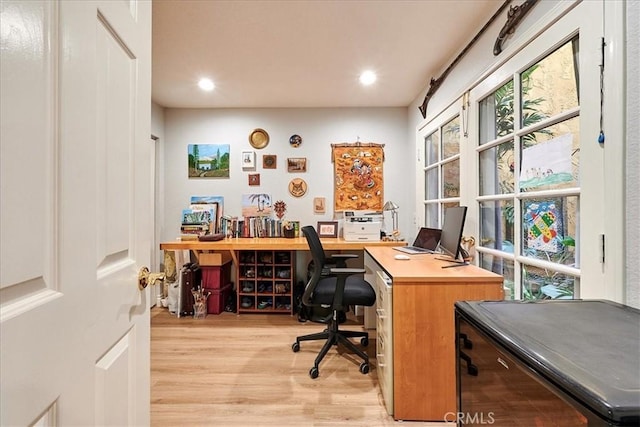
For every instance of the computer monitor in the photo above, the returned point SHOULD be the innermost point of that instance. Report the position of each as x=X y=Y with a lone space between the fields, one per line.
x=452 y=226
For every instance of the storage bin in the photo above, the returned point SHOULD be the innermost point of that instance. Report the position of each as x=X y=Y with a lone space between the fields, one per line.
x=214 y=258
x=217 y=299
x=215 y=277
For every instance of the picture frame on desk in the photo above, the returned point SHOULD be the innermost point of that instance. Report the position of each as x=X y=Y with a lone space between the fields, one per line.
x=327 y=228
x=296 y=228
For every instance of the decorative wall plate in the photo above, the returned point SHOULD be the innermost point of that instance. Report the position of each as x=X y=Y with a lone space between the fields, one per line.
x=295 y=140
x=259 y=138
x=297 y=187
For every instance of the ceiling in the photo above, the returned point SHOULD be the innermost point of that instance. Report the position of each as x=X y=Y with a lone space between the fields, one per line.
x=306 y=53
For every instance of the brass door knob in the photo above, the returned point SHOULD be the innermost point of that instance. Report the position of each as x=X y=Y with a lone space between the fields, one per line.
x=145 y=278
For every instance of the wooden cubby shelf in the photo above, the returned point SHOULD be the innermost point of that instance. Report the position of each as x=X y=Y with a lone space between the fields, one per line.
x=265 y=281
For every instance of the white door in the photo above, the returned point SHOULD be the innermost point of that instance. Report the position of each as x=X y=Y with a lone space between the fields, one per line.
x=75 y=226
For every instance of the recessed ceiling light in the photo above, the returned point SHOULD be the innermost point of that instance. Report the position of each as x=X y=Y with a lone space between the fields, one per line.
x=206 y=84
x=368 y=77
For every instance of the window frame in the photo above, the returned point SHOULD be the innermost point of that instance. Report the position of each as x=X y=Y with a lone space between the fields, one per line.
x=424 y=131
x=594 y=183
x=602 y=192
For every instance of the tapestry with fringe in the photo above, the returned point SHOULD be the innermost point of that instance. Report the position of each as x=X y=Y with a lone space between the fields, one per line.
x=358 y=176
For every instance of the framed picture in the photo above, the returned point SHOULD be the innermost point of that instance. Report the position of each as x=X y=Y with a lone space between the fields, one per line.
x=318 y=205
x=248 y=160
x=269 y=161
x=254 y=179
x=328 y=228
x=208 y=160
x=256 y=204
x=296 y=228
x=297 y=164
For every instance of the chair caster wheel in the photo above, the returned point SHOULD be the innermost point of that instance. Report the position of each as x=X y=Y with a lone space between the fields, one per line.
x=364 y=368
x=295 y=347
x=364 y=341
x=313 y=373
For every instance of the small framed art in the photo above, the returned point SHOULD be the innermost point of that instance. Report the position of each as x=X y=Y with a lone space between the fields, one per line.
x=254 y=179
x=248 y=160
x=269 y=161
x=318 y=205
x=297 y=164
x=328 y=228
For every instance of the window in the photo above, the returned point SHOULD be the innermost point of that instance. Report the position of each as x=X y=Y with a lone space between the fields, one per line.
x=546 y=200
x=441 y=144
x=528 y=172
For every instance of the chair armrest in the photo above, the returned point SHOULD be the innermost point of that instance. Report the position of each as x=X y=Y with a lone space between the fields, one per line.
x=347 y=271
x=342 y=274
x=341 y=259
x=345 y=256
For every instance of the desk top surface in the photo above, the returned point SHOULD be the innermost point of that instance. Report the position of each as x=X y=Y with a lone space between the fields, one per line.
x=271 y=243
x=427 y=268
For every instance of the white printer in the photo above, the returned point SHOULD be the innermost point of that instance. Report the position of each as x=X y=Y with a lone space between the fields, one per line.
x=362 y=226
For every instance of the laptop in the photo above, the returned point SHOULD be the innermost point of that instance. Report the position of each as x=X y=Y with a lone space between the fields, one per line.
x=426 y=242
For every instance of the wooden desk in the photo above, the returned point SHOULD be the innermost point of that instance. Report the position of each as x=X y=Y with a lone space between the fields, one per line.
x=272 y=243
x=231 y=248
x=269 y=243
x=418 y=346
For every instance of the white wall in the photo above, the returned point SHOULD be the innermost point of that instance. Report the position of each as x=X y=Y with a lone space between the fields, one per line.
x=319 y=128
x=157 y=120
x=157 y=131
x=633 y=155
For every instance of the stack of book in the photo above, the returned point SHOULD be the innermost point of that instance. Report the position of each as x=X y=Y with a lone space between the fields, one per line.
x=195 y=223
x=192 y=231
x=202 y=217
x=229 y=226
x=266 y=227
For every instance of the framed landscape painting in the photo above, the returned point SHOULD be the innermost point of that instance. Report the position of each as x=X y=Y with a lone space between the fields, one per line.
x=208 y=160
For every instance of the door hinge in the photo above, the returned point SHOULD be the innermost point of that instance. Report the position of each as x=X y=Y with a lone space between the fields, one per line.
x=602 y=248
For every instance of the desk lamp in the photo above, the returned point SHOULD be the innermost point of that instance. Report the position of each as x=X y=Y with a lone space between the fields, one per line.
x=390 y=206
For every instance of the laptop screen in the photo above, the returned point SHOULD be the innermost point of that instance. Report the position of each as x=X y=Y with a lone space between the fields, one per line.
x=428 y=238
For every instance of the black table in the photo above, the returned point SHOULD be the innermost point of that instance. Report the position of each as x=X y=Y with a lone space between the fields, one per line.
x=562 y=362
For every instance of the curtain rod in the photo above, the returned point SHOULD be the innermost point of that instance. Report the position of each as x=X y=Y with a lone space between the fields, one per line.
x=435 y=83
x=357 y=144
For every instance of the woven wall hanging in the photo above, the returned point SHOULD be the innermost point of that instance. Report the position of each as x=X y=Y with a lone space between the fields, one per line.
x=358 y=176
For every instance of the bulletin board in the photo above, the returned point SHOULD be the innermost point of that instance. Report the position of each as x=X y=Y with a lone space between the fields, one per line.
x=358 y=176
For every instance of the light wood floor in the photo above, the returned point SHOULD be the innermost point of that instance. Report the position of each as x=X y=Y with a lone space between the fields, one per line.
x=239 y=370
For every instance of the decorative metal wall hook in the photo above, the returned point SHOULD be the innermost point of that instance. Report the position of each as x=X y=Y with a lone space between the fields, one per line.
x=514 y=16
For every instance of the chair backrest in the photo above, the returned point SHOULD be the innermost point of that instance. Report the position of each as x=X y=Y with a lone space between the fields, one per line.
x=318 y=256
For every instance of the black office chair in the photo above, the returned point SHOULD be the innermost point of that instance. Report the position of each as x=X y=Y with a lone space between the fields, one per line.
x=337 y=289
